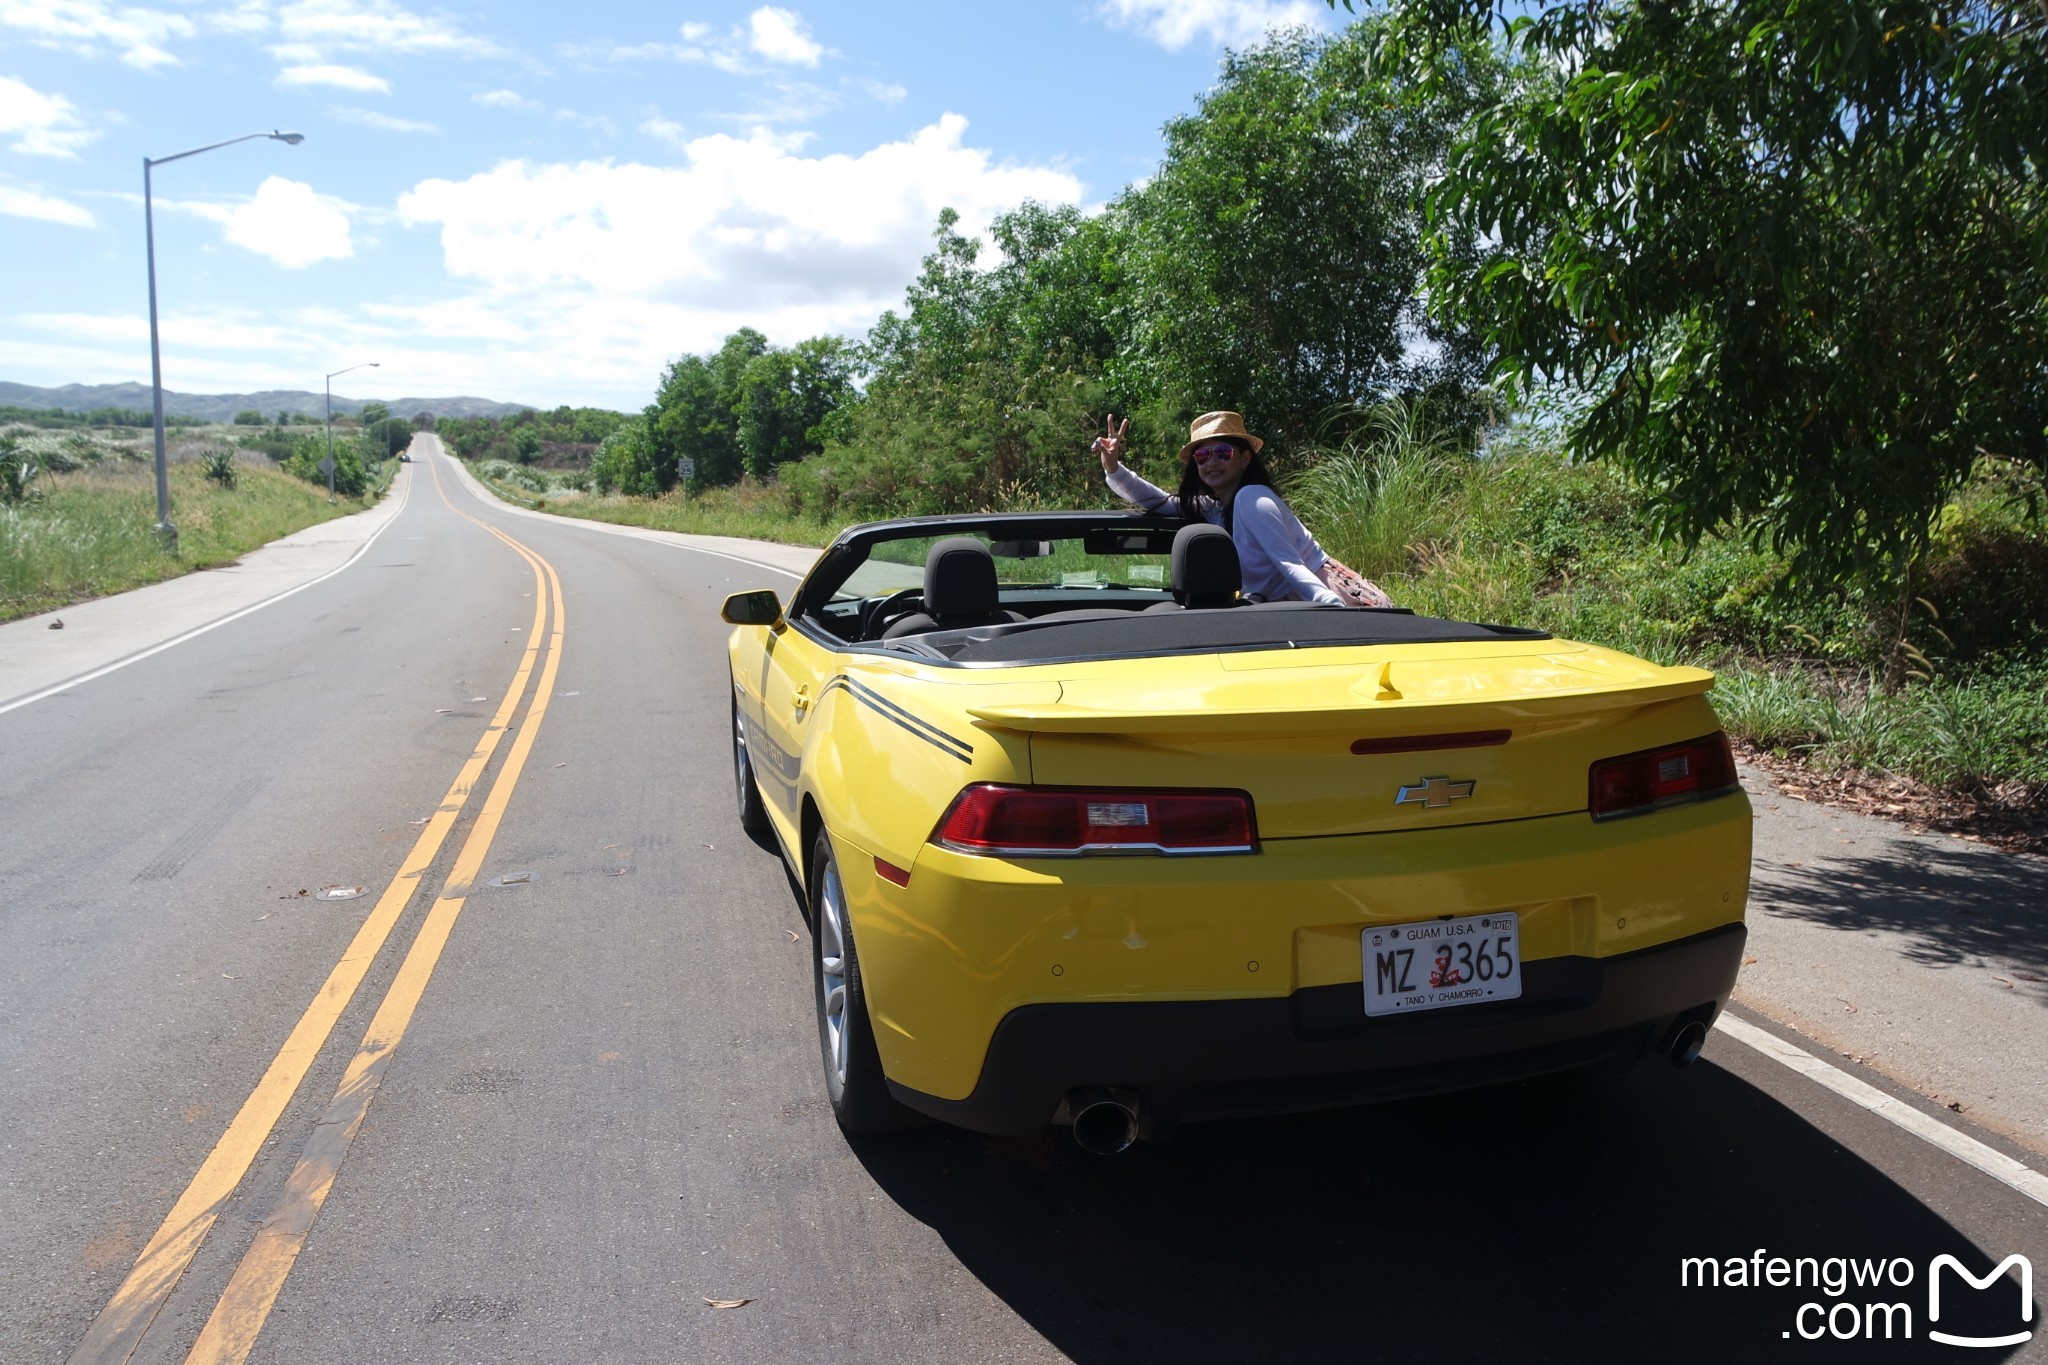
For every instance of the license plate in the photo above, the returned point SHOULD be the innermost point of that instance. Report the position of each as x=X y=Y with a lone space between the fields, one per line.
x=1442 y=962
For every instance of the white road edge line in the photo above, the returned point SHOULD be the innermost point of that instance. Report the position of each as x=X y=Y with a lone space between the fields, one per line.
x=142 y=654
x=1961 y=1146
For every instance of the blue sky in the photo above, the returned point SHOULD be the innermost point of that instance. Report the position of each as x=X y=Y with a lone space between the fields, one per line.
x=540 y=203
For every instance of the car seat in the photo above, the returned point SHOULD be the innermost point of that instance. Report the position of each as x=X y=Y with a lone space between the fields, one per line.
x=959 y=590
x=1205 y=571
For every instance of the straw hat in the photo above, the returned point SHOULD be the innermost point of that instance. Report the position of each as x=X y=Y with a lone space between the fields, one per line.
x=1211 y=425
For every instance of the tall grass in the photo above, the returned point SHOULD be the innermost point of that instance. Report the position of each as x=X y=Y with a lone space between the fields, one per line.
x=1382 y=495
x=91 y=534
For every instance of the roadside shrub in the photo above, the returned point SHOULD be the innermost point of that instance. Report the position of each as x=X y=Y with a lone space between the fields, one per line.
x=18 y=470
x=351 y=478
x=219 y=466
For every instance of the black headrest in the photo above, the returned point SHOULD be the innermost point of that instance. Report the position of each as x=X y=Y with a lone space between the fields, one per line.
x=1205 y=568
x=959 y=578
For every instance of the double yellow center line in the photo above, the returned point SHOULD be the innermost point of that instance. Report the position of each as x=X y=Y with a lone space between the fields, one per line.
x=230 y=1333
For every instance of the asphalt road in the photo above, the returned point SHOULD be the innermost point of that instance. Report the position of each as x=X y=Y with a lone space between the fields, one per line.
x=605 y=1107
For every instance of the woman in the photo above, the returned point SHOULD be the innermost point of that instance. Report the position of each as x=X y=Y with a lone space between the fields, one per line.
x=1223 y=481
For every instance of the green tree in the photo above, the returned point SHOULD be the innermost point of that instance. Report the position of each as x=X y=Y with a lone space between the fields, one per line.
x=1275 y=262
x=785 y=396
x=383 y=439
x=372 y=412
x=1794 y=253
x=695 y=415
x=978 y=396
x=249 y=417
x=624 y=462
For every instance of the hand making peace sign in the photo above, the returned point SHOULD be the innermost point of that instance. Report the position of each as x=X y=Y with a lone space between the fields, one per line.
x=1110 y=444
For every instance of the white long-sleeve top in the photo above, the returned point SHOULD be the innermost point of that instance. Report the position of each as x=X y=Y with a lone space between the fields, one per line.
x=1277 y=556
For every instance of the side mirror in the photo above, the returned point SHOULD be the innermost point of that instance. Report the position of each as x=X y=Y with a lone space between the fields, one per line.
x=760 y=607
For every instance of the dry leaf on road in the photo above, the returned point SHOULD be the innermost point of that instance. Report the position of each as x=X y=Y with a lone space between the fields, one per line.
x=728 y=1303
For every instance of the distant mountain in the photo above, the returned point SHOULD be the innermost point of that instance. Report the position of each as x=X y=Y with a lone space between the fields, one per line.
x=221 y=407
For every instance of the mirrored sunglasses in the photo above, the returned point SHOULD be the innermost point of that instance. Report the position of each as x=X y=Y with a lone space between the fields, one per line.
x=1215 y=450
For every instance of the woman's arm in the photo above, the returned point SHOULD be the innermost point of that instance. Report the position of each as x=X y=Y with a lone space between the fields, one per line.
x=1136 y=489
x=1260 y=518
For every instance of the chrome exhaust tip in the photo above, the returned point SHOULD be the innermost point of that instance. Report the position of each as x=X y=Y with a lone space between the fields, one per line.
x=1684 y=1048
x=1103 y=1123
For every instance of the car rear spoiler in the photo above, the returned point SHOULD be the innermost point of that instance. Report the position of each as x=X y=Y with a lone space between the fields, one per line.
x=1063 y=717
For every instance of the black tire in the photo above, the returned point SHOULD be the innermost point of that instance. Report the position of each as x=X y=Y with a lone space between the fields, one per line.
x=753 y=815
x=846 y=1040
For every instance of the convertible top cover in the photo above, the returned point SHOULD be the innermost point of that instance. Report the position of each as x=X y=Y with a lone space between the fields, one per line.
x=1184 y=632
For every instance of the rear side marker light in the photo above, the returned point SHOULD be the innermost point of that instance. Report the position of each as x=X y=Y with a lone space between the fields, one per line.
x=1635 y=784
x=1072 y=822
x=889 y=872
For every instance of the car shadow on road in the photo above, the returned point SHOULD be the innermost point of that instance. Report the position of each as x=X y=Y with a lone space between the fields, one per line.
x=1539 y=1222
x=1958 y=905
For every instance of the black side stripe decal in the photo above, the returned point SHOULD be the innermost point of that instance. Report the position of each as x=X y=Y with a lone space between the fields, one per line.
x=923 y=729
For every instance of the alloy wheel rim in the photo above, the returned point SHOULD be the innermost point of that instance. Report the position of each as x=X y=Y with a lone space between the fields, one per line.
x=832 y=971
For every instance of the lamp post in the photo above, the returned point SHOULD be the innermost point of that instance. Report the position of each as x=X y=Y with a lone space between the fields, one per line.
x=166 y=532
x=366 y=365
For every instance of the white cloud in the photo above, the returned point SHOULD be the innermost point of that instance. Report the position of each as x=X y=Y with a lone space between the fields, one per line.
x=247 y=18
x=206 y=350
x=340 y=77
x=374 y=26
x=42 y=125
x=884 y=94
x=590 y=276
x=505 y=99
x=778 y=36
x=596 y=123
x=742 y=216
x=666 y=130
x=781 y=35
x=1235 y=23
x=370 y=118
x=92 y=28
x=21 y=203
x=285 y=220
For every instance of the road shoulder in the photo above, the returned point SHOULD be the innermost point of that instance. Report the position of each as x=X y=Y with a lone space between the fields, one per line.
x=1916 y=955
x=38 y=655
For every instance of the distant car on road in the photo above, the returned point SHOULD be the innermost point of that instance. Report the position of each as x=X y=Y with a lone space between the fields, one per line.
x=1087 y=838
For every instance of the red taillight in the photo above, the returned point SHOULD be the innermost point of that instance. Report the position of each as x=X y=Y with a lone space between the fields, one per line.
x=1655 y=778
x=1053 y=822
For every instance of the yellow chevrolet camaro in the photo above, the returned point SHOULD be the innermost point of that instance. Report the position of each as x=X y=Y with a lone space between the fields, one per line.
x=1086 y=837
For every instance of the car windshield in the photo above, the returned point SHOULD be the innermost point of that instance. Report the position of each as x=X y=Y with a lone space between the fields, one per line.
x=1043 y=564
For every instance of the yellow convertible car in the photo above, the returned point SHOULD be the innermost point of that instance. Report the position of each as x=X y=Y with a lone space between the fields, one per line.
x=1088 y=838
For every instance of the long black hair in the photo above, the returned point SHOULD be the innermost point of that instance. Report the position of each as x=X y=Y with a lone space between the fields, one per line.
x=1193 y=491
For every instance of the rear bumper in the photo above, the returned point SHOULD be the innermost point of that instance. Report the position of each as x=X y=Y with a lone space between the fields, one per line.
x=1316 y=1049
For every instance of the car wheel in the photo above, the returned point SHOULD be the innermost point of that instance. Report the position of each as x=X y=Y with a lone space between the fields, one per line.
x=846 y=1041
x=753 y=815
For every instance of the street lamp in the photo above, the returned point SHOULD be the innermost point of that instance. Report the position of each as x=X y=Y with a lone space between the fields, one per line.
x=366 y=365
x=166 y=532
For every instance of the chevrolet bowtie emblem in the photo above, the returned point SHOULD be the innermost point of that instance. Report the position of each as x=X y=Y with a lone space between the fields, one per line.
x=1434 y=792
